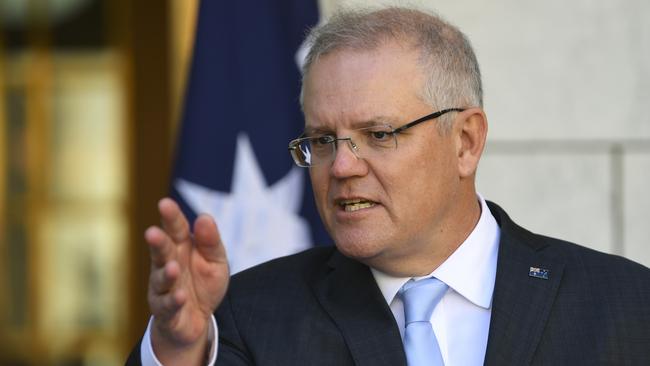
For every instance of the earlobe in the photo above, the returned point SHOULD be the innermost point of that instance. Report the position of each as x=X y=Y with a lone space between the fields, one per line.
x=472 y=133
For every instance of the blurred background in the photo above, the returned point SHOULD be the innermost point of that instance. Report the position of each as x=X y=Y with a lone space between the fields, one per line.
x=91 y=95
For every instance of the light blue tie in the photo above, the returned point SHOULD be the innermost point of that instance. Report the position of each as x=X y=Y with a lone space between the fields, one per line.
x=420 y=343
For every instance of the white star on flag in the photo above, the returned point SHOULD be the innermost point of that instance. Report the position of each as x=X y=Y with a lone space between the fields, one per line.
x=256 y=222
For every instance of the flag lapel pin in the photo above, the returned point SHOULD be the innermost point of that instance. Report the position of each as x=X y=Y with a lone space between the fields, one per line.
x=538 y=273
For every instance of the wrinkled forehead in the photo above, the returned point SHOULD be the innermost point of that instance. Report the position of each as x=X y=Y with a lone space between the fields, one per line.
x=353 y=86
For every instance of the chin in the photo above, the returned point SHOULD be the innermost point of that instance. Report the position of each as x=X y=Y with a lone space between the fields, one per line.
x=357 y=248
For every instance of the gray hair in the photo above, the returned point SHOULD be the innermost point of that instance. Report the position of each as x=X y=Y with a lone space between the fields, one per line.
x=452 y=73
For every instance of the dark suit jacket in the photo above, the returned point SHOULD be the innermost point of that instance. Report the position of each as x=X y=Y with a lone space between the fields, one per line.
x=321 y=308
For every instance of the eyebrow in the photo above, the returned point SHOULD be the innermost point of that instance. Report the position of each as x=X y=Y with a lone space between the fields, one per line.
x=376 y=121
x=313 y=131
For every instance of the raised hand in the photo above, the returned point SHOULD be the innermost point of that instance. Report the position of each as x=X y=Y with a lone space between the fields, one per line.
x=188 y=280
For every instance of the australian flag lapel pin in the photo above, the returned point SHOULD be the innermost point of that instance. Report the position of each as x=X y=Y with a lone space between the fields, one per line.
x=538 y=273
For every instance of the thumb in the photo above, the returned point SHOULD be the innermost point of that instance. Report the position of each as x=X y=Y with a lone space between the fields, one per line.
x=207 y=239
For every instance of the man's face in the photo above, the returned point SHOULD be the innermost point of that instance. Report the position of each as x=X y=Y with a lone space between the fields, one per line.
x=412 y=190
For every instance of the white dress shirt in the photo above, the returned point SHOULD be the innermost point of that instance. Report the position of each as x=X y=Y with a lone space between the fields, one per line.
x=461 y=320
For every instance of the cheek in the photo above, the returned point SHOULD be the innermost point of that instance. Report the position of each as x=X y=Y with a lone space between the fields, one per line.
x=319 y=183
x=423 y=179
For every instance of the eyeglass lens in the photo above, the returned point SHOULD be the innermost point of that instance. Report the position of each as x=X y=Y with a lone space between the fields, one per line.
x=366 y=143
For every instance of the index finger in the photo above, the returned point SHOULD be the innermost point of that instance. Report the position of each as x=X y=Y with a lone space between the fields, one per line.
x=161 y=247
x=173 y=221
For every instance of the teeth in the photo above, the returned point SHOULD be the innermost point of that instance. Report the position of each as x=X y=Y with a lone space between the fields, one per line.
x=358 y=206
x=355 y=205
x=349 y=202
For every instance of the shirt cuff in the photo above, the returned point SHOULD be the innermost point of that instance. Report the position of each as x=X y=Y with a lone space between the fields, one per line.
x=148 y=358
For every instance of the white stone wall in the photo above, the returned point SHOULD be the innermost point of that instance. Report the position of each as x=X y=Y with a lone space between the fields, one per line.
x=567 y=91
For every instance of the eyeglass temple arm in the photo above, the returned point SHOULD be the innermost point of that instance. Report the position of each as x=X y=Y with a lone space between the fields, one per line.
x=426 y=118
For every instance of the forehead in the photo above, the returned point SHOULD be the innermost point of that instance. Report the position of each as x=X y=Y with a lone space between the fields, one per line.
x=348 y=86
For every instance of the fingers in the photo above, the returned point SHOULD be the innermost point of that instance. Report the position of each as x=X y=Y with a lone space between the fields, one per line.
x=163 y=279
x=173 y=221
x=176 y=231
x=161 y=247
x=207 y=239
x=164 y=298
x=166 y=305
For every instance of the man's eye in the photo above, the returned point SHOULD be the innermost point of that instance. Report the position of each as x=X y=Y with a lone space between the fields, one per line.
x=322 y=140
x=380 y=135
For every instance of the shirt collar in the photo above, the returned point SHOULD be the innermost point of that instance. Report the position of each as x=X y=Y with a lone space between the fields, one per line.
x=470 y=270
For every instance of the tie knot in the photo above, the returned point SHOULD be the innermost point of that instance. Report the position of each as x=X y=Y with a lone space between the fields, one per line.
x=420 y=298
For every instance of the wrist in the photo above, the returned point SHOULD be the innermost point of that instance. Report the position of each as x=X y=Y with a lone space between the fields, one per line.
x=170 y=351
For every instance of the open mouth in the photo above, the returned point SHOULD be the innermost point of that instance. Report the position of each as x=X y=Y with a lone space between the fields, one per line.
x=355 y=204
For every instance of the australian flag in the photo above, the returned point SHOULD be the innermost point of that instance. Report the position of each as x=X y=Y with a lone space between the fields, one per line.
x=241 y=110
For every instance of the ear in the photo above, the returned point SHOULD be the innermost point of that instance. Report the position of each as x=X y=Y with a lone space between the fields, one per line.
x=470 y=131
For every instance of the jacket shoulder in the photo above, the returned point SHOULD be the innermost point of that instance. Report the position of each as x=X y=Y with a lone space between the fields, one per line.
x=580 y=263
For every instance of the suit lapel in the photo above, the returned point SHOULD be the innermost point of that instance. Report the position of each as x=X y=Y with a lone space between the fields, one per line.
x=349 y=294
x=521 y=303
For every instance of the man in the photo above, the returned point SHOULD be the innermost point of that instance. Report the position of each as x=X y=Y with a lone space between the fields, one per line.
x=394 y=130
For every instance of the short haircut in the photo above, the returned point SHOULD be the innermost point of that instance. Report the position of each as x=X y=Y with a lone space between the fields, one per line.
x=453 y=78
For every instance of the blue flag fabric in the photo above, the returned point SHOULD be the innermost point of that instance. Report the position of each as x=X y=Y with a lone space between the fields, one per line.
x=241 y=110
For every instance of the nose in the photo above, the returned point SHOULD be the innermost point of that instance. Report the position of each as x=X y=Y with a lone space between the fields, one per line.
x=347 y=162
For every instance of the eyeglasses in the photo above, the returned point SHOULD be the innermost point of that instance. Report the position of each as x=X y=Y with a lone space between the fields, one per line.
x=367 y=142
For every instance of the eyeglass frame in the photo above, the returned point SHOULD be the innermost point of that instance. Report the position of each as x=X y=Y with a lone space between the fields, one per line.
x=293 y=144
